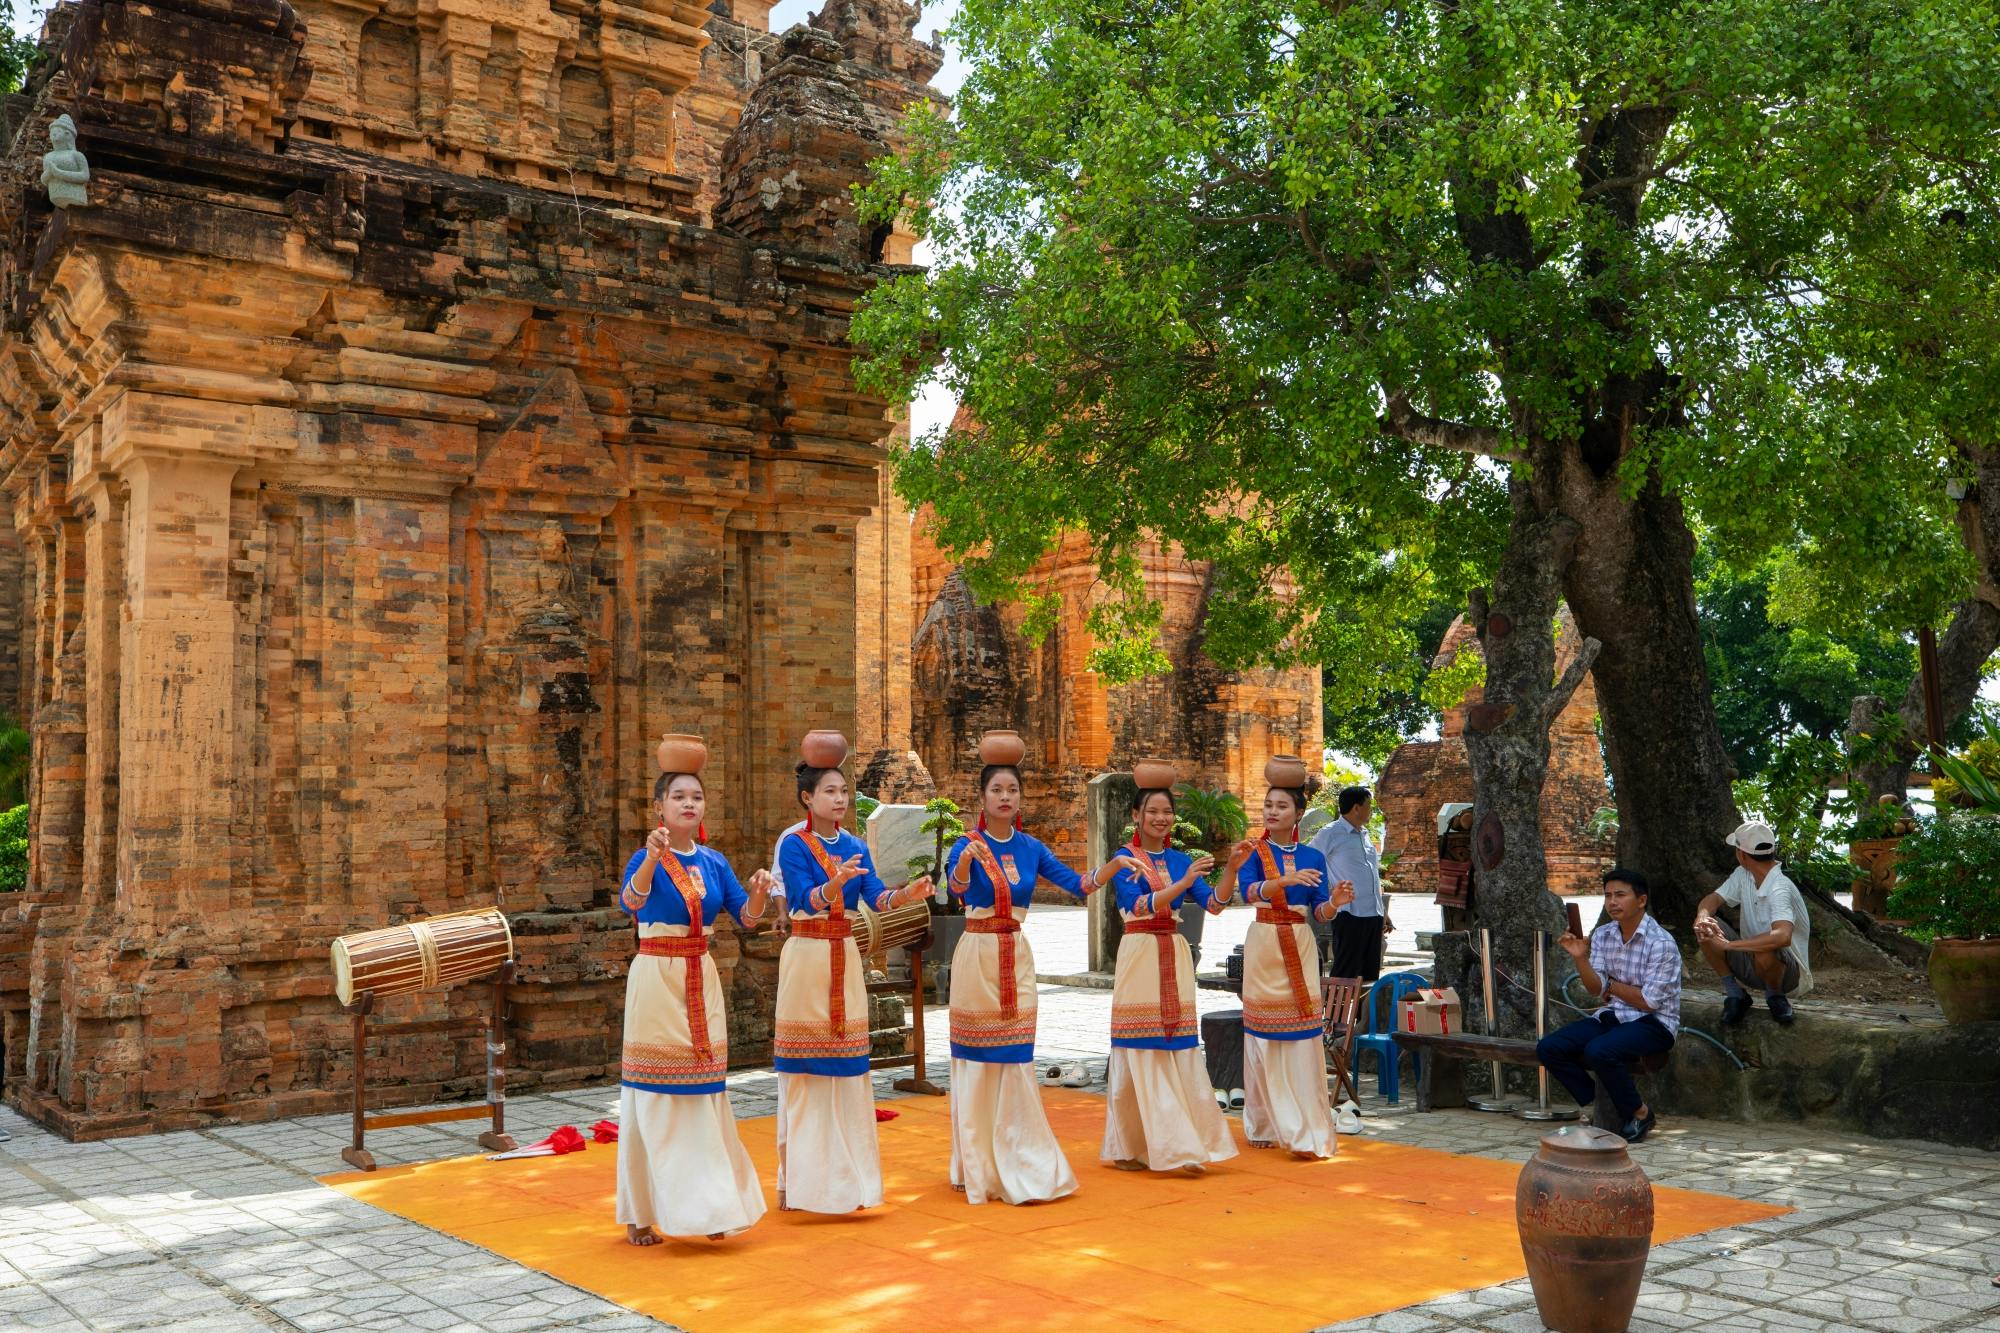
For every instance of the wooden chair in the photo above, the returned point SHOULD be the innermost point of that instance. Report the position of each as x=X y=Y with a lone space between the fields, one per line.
x=1340 y=1003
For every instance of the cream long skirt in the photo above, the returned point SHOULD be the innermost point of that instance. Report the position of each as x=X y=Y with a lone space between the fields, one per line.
x=1284 y=1096
x=1001 y=1144
x=828 y=1157
x=1161 y=1111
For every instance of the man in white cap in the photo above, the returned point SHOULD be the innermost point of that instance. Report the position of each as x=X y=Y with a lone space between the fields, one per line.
x=1770 y=950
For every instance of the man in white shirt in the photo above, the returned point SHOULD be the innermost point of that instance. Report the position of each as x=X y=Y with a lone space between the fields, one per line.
x=1359 y=927
x=1770 y=950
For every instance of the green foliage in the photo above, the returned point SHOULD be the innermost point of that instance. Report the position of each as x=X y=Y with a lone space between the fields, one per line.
x=1194 y=260
x=1793 y=794
x=1981 y=758
x=945 y=827
x=864 y=806
x=1948 y=877
x=1215 y=812
x=1775 y=679
x=14 y=849
x=1401 y=708
x=17 y=53
x=16 y=759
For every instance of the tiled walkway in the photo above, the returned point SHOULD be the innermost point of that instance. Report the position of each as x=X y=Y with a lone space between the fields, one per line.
x=225 y=1229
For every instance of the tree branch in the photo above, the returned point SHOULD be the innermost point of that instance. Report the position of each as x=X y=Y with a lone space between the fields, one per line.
x=1399 y=421
x=1568 y=683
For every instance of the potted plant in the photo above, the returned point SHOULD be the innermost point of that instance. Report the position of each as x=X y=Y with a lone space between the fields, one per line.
x=1871 y=844
x=948 y=915
x=1948 y=891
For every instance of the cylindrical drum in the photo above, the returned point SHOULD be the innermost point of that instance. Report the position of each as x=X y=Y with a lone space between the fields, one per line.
x=418 y=955
x=1585 y=1212
x=896 y=928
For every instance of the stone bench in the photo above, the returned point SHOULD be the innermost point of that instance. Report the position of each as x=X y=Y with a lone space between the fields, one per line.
x=1441 y=1046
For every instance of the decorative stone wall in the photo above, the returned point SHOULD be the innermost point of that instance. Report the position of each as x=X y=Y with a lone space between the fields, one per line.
x=395 y=450
x=974 y=670
x=1423 y=775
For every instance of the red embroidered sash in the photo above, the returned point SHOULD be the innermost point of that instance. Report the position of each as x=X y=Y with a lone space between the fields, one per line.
x=1003 y=909
x=1164 y=928
x=1288 y=943
x=836 y=909
x=692 y=891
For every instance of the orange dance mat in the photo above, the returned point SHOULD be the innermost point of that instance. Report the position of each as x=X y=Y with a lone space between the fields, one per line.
x=1263 y=1242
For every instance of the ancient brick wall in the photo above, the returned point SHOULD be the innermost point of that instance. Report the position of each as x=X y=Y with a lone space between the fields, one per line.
x=394 y=453
x=1423 y=775
x=975 y=670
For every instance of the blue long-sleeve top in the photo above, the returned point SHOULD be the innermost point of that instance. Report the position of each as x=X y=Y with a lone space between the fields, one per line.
x=664 y=906
x=802 y=875
x=1024 y=858
x=1298 y=856
x=1135 y=896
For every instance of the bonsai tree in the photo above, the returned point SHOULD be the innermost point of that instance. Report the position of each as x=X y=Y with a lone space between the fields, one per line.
x=1215 y=814
x=944 y=826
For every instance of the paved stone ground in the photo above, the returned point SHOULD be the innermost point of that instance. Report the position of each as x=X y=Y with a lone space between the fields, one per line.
x=222 y=1230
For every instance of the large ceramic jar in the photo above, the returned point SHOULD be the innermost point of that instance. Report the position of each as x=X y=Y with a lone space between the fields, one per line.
x=1585 y=1211
x=1966 y=976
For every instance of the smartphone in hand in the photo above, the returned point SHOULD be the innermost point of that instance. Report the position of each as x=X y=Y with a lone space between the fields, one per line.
x=1575 y=919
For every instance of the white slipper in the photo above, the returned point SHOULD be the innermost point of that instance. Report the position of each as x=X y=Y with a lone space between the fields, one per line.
x=1074 y=1075
x=1221 y=1098
x=1347 y=1118
x=1052 y=1076
x=1235 y=1099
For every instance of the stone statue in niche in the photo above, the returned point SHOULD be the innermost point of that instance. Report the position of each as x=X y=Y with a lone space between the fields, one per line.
x=555 y=577
x=65 y=172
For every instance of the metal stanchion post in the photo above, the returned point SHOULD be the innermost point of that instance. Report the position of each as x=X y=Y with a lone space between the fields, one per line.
x=1541 y=1110
x=1499 y=1102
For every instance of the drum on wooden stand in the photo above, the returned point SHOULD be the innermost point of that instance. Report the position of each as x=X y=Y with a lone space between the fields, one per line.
x=899 y=927
x=421 y=955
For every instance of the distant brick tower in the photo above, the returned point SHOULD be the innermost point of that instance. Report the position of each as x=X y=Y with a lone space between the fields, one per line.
x=432 y=404
x=1423 y=775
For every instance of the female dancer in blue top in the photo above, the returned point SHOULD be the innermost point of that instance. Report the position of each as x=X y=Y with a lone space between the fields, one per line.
x=681 y=1168
x=1001 y=1143
x=828 y=1159
x=1284 y=1067
x=1159 y=1114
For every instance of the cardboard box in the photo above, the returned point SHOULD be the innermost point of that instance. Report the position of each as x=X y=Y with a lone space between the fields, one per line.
x=1432 y=1011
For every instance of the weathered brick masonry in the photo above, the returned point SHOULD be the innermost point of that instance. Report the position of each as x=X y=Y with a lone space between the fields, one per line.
x=434 y=402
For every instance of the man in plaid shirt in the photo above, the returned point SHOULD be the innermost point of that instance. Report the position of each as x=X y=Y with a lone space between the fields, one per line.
x=1632 y=964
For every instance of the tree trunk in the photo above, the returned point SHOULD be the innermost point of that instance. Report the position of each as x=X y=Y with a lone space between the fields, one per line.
x=1507 y=741
x=1885 y=745
x=1631 y=587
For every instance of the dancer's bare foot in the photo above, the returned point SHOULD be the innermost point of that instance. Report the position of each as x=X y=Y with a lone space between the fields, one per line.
x=641 y=1236
x=1261 y=1143
x=957 y=1188
x=1307 y=1156
x=717 y=1235
x=784 y=1207
x=1129 y=1164
x=1195 y=1169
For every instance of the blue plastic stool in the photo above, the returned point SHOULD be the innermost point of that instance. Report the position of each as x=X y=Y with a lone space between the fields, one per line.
x=1399 y=985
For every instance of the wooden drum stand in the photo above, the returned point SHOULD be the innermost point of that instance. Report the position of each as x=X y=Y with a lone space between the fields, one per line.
x=919 y=1079
x=496 y=1138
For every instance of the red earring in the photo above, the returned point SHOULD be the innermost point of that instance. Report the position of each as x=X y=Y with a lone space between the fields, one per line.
x=1017 y=823
x=701 y=831
x=982 y=821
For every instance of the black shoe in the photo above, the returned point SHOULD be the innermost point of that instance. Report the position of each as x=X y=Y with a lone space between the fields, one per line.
x=1636 y=1130
x=1781 y=1009
x=1735 y=1008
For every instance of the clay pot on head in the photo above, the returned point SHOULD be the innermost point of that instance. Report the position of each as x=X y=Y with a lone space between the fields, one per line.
x=823 y=749
x=1002 y=747
x=679 y=753
x=1284 y=770
x=1154 y=775
x=1585 y=1213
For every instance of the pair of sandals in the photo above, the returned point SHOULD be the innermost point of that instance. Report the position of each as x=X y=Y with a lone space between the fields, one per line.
x=1069 y=1074
x=1231 y=1100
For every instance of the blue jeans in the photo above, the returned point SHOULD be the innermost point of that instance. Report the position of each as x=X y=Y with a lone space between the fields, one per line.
x=1601 y=1045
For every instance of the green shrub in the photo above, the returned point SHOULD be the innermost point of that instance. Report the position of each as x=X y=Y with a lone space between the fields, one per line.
x=14 y=849
x=1948 y=877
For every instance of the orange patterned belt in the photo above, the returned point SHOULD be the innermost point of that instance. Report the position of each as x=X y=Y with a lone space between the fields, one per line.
x=992 y=925
x=1288 y=943
x=824 y=928
x=674 y=946
x=834 y=926
x=1165 y=928
x=691 y=947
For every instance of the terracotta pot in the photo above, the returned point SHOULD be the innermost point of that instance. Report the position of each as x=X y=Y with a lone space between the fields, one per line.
x=1002 y=747
x=824 y=749
x=1284 y=770
x=679 y=753
x=1966 y=976
x=1585 y=1212
x=1154 y=775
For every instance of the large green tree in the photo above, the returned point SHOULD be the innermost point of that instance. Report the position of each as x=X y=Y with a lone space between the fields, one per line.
x=1366 y=301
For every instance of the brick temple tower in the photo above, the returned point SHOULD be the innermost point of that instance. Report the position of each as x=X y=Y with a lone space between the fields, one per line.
x=431 y=404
